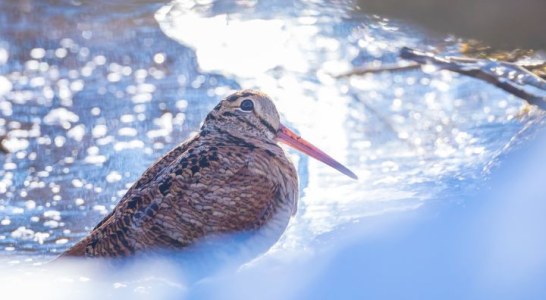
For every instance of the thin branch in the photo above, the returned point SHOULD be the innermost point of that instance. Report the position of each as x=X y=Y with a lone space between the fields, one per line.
x=388 y=68
x=485 y=70
x=538 y=67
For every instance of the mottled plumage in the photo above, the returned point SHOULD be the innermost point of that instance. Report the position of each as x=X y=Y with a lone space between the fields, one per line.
x=231 y=177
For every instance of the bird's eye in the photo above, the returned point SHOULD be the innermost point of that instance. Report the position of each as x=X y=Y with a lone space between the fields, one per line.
x=247 y=105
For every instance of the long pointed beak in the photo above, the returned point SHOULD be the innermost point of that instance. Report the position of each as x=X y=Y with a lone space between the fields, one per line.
x=295 y=141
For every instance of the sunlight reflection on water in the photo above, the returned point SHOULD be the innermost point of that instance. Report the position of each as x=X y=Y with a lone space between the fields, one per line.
x=396 y=138
x=85 y=117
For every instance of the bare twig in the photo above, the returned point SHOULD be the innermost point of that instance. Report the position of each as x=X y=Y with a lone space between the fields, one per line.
x=388 y=68
x=487 y=71
x=539 y=68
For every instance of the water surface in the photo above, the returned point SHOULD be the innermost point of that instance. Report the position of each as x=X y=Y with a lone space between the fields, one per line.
x=92 y=93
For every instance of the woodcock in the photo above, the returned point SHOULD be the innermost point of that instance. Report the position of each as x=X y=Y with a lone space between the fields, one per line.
x=231 y=177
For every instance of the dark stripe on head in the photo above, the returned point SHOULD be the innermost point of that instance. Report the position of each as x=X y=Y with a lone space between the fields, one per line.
x=233 y=97
x=240 y=94
x=237 y=140
x=246 y=94
x=228 y=114
x=240 y=119
x=263 y=121
x=268 y=126
x=247 y=122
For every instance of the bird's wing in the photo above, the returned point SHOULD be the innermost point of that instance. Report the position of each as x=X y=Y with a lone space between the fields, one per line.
x=238 y=200
x=152 y=172
x=184 y=196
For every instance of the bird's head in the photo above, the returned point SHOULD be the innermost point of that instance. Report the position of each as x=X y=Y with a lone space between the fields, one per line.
x=246 y=113
x=252 y=114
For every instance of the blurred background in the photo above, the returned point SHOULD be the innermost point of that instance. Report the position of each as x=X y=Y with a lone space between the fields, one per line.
x=505 y=24
x=449 y=204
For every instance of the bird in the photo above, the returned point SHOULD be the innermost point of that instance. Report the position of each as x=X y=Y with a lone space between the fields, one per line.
x=231 y=177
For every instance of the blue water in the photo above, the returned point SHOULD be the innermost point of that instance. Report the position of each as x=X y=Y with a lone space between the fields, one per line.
x=447 y=205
